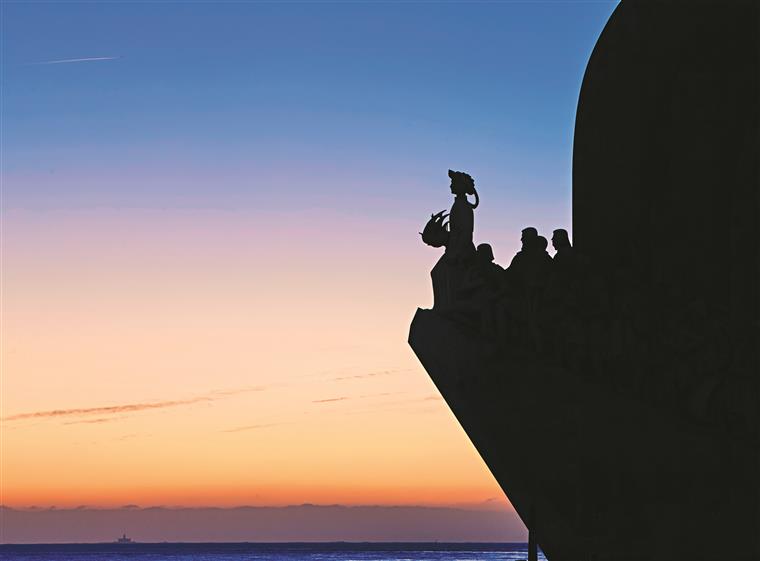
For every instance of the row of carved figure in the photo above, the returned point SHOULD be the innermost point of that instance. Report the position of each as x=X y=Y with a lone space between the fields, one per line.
x=604 y=325
x=472 y=287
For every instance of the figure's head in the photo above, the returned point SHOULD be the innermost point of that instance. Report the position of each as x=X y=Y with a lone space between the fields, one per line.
x=484 y=252
x=541 y=243
x=461 y=183
x=528 y=236
x=560 y=239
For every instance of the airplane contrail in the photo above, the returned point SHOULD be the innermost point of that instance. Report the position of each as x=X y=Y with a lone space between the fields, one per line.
x=69 y=60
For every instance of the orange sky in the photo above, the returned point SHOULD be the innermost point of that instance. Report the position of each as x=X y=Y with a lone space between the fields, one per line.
x=156 y=354
x=221 y=358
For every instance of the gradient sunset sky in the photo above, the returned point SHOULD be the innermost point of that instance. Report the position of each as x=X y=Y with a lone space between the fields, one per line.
x=210 y=249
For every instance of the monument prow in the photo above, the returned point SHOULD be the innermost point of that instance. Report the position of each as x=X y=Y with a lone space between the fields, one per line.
x=597 y=474
x=615 y=393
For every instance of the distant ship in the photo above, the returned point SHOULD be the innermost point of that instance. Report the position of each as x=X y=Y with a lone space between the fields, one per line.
x=124 y=539
x=658 y=457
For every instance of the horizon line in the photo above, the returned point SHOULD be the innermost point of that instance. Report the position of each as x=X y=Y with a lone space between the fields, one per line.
x=303 y=542
x=135 y=507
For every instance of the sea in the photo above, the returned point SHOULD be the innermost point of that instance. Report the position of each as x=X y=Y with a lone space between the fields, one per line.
x=268 y=552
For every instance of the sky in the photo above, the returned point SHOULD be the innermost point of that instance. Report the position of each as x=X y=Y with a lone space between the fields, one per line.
x=210 y=248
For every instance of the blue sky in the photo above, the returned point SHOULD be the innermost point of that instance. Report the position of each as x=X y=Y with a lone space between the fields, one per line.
x=346 y=105
x=231 y=182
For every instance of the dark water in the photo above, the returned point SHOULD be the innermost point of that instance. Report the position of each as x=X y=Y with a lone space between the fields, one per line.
x=267 y=552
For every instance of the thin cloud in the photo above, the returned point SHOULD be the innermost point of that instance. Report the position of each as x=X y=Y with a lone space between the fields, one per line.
x=369 y=375
x=383 y=394
x=72 y=60
x=237 y=391
x=252 y=427
x=93 y=421
x=365 y=396
x=128 y=407
x=329 y=400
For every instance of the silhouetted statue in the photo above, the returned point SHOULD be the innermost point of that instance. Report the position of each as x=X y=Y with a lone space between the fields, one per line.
x=451 y=272
x=490 y=272
x=539 y=261
x=483 y=291
x=525 y=274
x=514 y=278
x=564 y=271
x=530 y=265
x=536 y=276
x=461 y=218
x=563 y=333
x=529 y=235
x=561 y=243
x=484 y=252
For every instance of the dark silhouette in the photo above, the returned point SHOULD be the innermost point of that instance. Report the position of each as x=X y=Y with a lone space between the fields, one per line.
x=614 y=390
x=524 y=282
x=531 y=264
x=436 y=232
x=487 y=279
x=516 y=277
x=561 y=244
x=528 y=239
x=566 y=270
x=562 y=310
x=124 y=539
x=537 y=275
x=451 y=272
x=461 y=218
x=490 y=272
x=538 y=262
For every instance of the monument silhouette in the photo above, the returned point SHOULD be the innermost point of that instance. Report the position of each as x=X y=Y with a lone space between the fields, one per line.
x=614 y=390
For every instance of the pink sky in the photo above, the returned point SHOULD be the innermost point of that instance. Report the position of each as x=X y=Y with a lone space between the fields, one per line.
x=221 y=358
